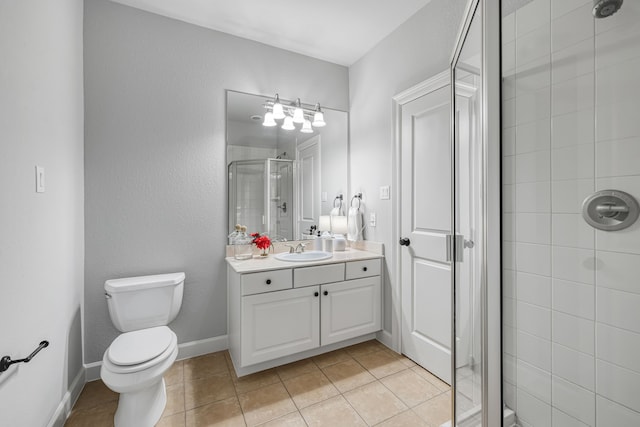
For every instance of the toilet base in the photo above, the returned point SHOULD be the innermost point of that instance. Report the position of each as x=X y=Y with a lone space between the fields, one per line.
x=141 y=408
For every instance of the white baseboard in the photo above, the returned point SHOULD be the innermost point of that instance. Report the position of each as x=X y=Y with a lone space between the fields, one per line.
x=198 y=348
x=185 y=351
x=386 y=338
x=68 y=400
x=92 y=371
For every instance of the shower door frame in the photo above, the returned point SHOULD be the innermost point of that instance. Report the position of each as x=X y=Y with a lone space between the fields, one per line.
x=491 y=305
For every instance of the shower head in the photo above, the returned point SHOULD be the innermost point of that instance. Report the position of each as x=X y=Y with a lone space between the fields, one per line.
x=606 y=8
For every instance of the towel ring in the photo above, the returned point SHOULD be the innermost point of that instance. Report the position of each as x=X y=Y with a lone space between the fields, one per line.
x=339 y=199
x=357 y=196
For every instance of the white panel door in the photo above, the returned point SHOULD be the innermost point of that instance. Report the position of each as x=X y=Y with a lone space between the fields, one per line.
x=350 y=309
x=426 y=220
x=309 y=197
x=276 y=324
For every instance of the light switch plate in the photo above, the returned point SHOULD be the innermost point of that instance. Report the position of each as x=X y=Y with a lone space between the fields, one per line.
x=39 y=179
x=385 y=193
x=325 y=196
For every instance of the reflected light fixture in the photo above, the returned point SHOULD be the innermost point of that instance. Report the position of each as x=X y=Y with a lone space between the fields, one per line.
x=268 y=120
x=306 y=127
x=288 y=123
x=292 y=114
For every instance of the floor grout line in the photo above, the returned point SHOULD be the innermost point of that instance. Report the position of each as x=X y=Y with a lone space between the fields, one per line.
x=359 y=351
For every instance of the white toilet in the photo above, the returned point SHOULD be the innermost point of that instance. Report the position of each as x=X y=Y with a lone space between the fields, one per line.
x=135 y=362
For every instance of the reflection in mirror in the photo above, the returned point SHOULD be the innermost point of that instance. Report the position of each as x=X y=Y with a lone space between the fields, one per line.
x=280 y=181
x=467 y=74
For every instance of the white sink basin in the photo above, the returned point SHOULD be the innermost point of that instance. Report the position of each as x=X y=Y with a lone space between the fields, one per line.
x=304 y=256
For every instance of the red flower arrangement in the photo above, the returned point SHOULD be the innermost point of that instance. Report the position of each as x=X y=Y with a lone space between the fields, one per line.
x=261 y=242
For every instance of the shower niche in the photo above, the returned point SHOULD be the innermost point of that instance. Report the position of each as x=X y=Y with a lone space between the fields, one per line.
x=261 y=196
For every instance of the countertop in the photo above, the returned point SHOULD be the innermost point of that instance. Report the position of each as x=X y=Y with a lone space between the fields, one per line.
x=258 y=263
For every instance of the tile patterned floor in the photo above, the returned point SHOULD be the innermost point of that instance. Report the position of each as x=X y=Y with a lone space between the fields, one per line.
x=362 y=385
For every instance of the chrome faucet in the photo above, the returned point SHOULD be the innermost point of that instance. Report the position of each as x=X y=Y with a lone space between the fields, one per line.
x=298 y=249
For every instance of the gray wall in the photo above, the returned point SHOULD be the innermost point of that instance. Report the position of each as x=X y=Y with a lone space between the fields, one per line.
x=41 y=235
x=155 y=153
x=417 y=50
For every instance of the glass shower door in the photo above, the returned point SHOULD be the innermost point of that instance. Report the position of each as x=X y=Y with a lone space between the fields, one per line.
x=468 y=226
x=280 y=199
x=476 y=219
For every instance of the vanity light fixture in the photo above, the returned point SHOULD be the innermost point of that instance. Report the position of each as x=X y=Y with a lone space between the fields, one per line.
x=278 y=109
x=318 y=117
x=293 y=113
x=298 y=114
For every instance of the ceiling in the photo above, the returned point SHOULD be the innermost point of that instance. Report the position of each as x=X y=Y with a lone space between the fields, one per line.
x=338 y=31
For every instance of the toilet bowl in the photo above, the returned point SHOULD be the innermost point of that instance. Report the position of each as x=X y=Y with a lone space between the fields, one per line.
x=135 y=362
x=134 y=366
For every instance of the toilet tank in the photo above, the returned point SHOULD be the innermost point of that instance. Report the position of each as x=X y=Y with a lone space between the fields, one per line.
x=145 y=301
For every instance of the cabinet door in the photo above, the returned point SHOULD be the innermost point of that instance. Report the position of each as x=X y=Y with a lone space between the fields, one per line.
x=350 y=309
x=277 y=324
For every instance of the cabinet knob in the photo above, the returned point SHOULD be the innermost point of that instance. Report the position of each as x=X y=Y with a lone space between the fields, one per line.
x=268 y=281
x=316 y=294
x=364 y=268
x=326 y=293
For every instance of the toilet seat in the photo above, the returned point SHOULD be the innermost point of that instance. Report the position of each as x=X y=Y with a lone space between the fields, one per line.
x=138 y=350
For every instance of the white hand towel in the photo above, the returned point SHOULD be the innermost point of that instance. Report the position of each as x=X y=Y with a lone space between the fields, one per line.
x=354 y=225
x=335 y=211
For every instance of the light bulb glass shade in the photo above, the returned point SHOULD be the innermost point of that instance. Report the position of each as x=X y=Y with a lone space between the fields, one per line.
x=324 y=224
x=278 y=111
x=339 y=224
x=306 y=127
x=268 y=120
x=298 y=114
x=288 y=123
x=318 y=119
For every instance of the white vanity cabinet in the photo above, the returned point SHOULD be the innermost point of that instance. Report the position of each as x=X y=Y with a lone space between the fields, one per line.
x=349 y=309
x=276 y=314
x=269 y=330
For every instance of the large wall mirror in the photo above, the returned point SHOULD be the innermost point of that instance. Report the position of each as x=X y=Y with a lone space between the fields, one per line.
x=280 y=181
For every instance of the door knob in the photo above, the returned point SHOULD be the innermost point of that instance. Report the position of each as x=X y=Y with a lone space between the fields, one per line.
x=405 y=242
x=469 y=244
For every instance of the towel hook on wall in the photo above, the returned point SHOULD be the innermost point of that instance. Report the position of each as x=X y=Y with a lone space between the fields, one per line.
x=357 y=196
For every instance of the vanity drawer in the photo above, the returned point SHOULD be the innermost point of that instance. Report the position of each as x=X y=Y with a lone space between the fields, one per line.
x=309 y=276
x=366 y=268
x=266 y=281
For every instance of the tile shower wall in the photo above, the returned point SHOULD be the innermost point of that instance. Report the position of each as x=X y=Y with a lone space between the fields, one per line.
x=571 y=294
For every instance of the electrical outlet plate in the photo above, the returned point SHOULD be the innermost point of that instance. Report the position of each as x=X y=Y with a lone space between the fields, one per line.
x=372 y=219
x=385 y=193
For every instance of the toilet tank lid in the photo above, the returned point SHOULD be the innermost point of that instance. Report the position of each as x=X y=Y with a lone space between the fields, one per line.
x=128 y=284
